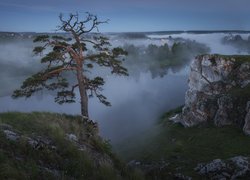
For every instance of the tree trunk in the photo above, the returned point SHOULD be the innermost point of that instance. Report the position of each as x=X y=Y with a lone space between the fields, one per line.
x=83 y=93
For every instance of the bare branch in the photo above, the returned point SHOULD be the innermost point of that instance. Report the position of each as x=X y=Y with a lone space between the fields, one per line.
x=73 y=88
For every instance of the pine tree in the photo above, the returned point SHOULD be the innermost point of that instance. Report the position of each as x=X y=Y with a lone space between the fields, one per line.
x=70 y=53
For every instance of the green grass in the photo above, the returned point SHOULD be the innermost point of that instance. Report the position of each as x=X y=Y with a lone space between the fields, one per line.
x=183 y=147
x=239 y=58
x=239 y=92
x=18 y=160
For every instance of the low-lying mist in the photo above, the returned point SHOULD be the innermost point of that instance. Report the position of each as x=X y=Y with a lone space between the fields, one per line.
x=158 y=66
x=241 y=43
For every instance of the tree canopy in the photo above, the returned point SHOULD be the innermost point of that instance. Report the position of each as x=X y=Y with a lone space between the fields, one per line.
x=78 y=50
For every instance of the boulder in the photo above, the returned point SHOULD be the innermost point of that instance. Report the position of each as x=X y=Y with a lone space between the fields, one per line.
x=233 y=169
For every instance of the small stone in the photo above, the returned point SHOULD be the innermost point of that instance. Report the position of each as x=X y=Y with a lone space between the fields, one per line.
x=175 y=118
x=72 y=137
x=32 y=142
x=137 y=163
x=133 y=163
x=10 y=135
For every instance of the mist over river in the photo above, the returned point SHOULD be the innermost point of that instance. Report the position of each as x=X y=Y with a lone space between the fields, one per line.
x=137 y=100
x=136 y=103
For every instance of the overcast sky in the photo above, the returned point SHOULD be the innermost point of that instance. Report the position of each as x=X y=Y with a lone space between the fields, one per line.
x=129 y=15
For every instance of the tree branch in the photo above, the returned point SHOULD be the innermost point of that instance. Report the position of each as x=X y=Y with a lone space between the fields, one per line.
x=57 y=71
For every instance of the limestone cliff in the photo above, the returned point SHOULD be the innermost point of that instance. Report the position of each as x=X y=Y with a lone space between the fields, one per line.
x=219 y=92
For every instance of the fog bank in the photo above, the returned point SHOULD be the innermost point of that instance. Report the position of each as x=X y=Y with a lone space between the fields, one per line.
x=154 y=86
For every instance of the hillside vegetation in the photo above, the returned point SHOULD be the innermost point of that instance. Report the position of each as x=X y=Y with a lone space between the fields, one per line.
x=181 y=149
x=54 y=146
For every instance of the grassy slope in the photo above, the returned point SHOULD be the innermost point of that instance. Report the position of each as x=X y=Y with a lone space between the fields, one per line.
x=238 y=58
x=18 y=160
x=184 y=148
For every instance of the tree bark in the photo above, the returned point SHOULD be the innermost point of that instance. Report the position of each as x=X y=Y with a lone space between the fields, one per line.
x=83 y=93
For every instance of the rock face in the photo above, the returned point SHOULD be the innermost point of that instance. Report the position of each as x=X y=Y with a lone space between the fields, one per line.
x=218 y=92
x=246 y=127
x=234 y=168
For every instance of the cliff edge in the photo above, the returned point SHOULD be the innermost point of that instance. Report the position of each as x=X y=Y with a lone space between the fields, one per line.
x=219 y=92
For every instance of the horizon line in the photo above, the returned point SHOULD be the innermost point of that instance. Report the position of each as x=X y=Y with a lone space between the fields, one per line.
x=158 y=31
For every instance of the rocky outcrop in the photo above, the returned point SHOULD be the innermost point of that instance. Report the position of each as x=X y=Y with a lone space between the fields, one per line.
x=218 y=92
x=234 y=168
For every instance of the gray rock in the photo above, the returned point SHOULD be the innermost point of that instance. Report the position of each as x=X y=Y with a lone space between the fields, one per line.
x=246 y=128
x=225 y=104
x=32 y=142
x=40 y=143
x=216 y=165
x=176 y=118
x=199 y=110
x=208 y=69
x=243 y=75
x=242 y=164
x=10 y=135
x=207 y=99
x=233 y=168
x=133 y=163
x=72 y=137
